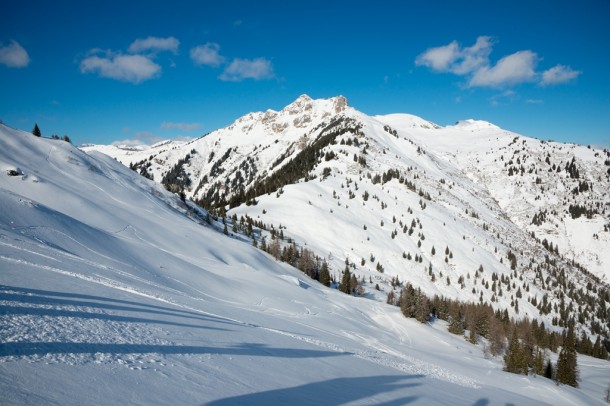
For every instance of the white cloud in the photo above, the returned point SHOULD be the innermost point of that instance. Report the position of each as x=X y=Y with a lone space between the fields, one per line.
x=439 y=58
x=510 y=70
x=127 y=68
x=180 y=126
x=558 y=74
x=455 y=59
x=14 y=55
x=473 y=62
x=534 y=101
x=154 y=44
x=474 y=57
x=240 y=69
x=207 y=54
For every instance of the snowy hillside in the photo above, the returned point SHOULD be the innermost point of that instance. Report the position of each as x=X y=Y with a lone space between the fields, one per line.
x=114 y=291
x=445 y=208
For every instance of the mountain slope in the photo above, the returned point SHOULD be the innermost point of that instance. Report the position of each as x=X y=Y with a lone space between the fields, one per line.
x=114 y=291
x=449 y=209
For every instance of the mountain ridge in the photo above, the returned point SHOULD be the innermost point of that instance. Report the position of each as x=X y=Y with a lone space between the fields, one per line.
x=374 y=192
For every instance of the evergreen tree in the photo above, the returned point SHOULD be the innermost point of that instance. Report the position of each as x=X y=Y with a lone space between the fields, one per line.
x=567 y=366
x=422 y=308
x=539 y=363
x=324 y=274
x=548 y=369
x=455 y=323
x=515 y=360
x=36 y=130
x=597 y=348
x=407 y=300
x=346 y=281
x=496 y=337
x=472 y=336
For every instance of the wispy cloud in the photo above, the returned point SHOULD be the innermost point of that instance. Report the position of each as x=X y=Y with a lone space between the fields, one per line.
x=154 y=44
x=126 y=68
x=558 y=74
x=139 y=138
x=534 y=101
x=14 y=55
x=503 y=98
x=240 y=69
x=207 y=55
x=180 y=126
x=473 y=63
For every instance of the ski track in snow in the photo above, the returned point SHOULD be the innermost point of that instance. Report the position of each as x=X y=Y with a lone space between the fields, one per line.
x=401 y=362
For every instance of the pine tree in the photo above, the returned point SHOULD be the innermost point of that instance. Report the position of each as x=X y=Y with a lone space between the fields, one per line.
x=422 y=310
x=455 y=324
x=567 y=366
x=472 y=336
x=597 y=348
x=539 y=363
x=548 y=370
x=346 y=281
x=324 y=274
x=36 y=130
x=515 y=360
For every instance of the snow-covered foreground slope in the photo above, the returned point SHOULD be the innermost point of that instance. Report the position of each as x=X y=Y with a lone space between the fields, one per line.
x=113 y=292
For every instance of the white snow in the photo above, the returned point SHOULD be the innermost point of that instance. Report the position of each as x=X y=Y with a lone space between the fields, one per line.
x=113 y=291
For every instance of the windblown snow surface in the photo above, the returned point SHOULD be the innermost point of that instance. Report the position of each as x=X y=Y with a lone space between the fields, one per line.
x=112 y=291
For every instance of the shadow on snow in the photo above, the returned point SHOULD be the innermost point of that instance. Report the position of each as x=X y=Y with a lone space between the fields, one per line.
x=246 y=349
x=336 y=391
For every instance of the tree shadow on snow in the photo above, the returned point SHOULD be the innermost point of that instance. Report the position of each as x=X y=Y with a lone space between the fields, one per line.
x=37 y=311
x=47 y=295
x=245 y=349
x=331 y=392
x=40 y=303
x=45 y=299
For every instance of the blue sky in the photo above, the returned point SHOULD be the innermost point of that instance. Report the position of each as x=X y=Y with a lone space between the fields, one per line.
x=152 y=70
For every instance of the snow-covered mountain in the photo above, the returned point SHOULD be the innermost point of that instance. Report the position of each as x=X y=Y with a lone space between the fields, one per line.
x=114 y=290
x=445 y=208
